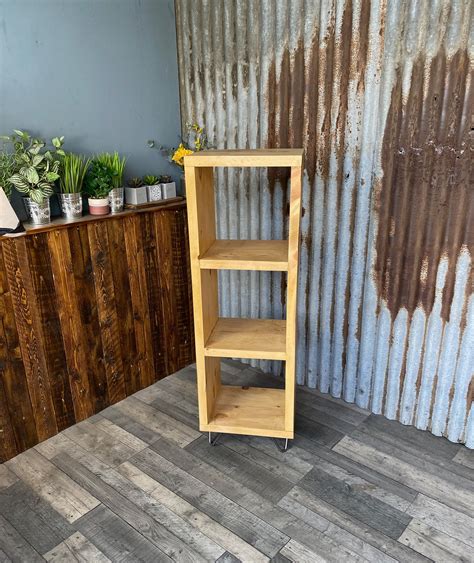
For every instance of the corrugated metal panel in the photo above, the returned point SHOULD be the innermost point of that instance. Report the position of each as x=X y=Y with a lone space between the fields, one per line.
x=380 y=95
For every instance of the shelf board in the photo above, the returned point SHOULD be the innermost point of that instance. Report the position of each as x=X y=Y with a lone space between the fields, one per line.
x=254 y=411
x=270 y=255
x=263 y=339
x=280 y=158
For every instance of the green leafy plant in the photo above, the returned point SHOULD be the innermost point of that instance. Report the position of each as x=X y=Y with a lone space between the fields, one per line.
x=36 y=168
x=116 y=163
x=99 y=179
x=164 y=179
x=150 y=180
x=135 y=183
x=73 y=171
x=7 y=169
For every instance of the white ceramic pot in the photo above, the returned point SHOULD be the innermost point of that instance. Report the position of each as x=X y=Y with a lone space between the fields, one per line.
x=136 y=196
x=168 y=190
x=99 y=206
x=39 y=213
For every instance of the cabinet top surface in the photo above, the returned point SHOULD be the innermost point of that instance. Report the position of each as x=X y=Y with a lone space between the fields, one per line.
x=251 y=157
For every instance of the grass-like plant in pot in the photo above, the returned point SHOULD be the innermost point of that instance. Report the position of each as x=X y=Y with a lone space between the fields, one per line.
x=36 y=169
x=73 y=171
x=98 y=182
x=117 y=164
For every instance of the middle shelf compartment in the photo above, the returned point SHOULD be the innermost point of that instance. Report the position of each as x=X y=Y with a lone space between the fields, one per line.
x=269 y=255
x=261 y=339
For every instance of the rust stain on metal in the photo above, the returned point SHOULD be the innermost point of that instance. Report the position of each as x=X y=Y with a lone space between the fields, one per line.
x=426 y=187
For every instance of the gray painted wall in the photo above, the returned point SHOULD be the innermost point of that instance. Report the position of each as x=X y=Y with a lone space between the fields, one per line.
x=101 y=72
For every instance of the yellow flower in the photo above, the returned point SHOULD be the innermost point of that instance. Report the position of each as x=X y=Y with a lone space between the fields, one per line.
x=180 y=153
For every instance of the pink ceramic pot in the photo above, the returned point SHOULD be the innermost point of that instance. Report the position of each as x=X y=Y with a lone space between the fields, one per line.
x=99 y=206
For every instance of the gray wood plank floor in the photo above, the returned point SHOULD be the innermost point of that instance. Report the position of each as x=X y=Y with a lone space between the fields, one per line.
x=139 y=482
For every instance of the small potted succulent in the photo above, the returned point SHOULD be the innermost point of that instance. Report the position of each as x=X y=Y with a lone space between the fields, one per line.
x=98 y=183
x=135 y=192
x=153 y=187
x=73 y=170
x=117 y=164
x=168 y=187
x=36 y=169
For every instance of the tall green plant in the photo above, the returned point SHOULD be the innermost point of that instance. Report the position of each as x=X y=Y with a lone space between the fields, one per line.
x=116 y=163
x=73 y=171
x=7 y=169
x=36 y=167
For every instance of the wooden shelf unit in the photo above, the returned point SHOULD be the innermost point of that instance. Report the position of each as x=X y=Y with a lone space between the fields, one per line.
x=223 y=408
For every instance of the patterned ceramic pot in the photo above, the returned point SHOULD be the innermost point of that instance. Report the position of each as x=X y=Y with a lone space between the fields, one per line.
x=154 y=192
x=99 y=206
x=116 y=200
x=39 y=213
x=71 y=205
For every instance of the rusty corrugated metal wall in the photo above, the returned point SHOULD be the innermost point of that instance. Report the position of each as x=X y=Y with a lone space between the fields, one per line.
x=380 y=95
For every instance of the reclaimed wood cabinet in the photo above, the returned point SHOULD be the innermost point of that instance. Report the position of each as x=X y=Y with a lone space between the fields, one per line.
x=90 y=312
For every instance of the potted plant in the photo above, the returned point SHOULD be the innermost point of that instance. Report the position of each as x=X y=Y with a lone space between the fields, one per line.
x=153 y=187
x=72 y=174
x=9 y=221
x=7 y=170
x=135 y=192
x=117 y=164
x=98 y=182
x=168 y=187
x=194 y=140
x=36 y=171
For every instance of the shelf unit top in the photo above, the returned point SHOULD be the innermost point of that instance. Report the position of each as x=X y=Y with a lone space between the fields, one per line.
x=268 y=158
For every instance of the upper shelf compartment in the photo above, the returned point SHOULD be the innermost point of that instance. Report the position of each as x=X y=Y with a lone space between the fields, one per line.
x=266 y=158
x=269 y=255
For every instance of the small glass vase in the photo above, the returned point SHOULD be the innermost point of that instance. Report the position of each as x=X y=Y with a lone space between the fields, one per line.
x=71 y=205
x=39 y=213
x=116 y=200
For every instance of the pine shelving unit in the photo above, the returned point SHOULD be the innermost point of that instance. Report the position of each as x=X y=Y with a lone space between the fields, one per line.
x=224 y=408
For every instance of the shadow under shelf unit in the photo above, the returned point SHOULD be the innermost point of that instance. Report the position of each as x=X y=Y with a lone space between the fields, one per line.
x=224 y=408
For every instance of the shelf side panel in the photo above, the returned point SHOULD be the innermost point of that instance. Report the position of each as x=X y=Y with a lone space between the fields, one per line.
x=202 y=234
x=292 y=295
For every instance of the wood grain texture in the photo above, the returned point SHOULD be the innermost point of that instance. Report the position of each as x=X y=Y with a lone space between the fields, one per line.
x=107 y=308
x=90 y=313
x=17 y=411
x=48 y=316
x=69 y=314
x=25 y=306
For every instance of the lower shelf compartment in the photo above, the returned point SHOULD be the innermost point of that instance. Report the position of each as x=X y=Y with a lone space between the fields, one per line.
x=262 y=339
x=253 y=411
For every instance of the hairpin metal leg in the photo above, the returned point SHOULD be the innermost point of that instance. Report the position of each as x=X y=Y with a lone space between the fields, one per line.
x=213 y=441
x=282 y=445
